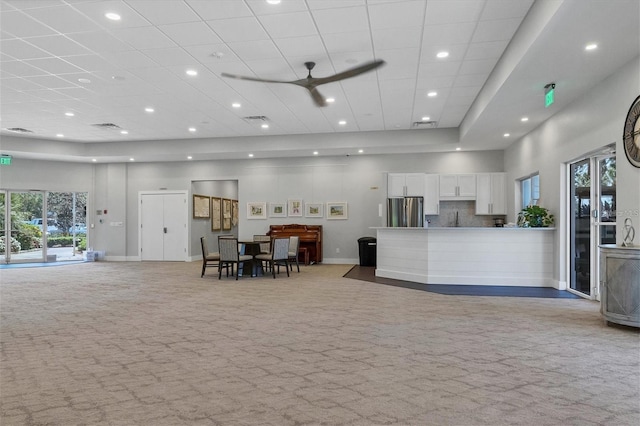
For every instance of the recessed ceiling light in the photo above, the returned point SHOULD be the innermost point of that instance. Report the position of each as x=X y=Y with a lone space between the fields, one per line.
x=315 y=152
x=265 y=126
x=523 y=119
x=250 y=155
x=426 y=118
x=442 y=54
x=60 y=135
x=342 y=122
x=591 y=46
x=124 y=132
x=273 y=1
x=131 y=159
x=432 y=94
x=192 y=73
x=94 y=160
x=84 y=80
x=458 y=149
x=69 y=114
x=117 y=77
x=192 y=129
x=360 y=151
x=189 y=157
x=236 y=105
x=113 y=16
x=506 y=135
x=330 y=100
x=149 y=109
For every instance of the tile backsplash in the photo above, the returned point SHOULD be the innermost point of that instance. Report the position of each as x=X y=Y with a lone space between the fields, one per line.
x=466 y=211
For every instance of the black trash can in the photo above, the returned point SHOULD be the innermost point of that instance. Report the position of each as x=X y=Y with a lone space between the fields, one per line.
x=367 y=246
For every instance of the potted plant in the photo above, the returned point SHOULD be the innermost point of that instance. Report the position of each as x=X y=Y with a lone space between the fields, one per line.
x=534 y=217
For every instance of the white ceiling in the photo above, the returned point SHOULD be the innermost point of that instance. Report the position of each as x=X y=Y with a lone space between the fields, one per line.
x=49 y=47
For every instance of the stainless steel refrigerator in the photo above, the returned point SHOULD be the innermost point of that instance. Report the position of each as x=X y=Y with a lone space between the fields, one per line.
x=405 y=212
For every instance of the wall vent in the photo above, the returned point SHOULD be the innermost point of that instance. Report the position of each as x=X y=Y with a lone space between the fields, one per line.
x=106 y=125
x=430 y=124
x=255 y=118
x=19 y=130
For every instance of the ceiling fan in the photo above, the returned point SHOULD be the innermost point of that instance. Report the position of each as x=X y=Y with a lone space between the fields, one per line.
x=310 y=83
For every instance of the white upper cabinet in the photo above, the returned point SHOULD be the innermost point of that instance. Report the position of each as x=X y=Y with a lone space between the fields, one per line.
x=405 y=185
x=431 y=204
x=458 y=187
x=491 y=193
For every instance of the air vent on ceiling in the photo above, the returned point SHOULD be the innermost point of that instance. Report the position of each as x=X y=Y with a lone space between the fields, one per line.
x=255 y=118
x=106 y=125
x=430 y=124
x=19 y=130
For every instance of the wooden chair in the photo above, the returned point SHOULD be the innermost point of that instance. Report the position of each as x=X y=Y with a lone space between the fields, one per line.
x=294 y=248
x=279 y=255
x=208 y=258
x=230 y=256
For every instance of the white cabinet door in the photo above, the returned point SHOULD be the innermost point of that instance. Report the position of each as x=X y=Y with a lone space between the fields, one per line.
x=414 y=183
x=491 y=193
x=431 y=205
x=395 y=185
x=458 y=187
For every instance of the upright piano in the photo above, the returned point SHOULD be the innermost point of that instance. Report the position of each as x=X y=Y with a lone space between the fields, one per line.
x=310 y=238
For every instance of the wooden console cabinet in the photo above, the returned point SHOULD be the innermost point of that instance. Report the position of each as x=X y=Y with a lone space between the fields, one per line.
x=620 y=284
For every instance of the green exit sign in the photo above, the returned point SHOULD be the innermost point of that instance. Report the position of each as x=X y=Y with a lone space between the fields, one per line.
x=549 y=94
x=5 y=160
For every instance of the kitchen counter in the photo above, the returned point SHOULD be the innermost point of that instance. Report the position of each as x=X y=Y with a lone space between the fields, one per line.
x=508 y=256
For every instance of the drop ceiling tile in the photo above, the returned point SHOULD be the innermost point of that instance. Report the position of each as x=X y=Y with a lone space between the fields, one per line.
x=471 y=80
x=288 y=25
x=465 y=91
x=130 y=60
x=494 y=30
x=144 y=38
x=54 y=65
x=276 y=68
x=348 y=42
x=58 y=45
x=170 y=57
x=239 y=29
x=453 y=11
x=51 y=82
x=100 y=41
x=492 y=49
x=436 y=82
x=343 y=20
x=171 y=12
x=298 y=46
x=19 y=24
x=96 y=11
x=449 y=34
x=261 y=7
x=190 y=33
x=90 y=63
x=21 y=84
x=334 y=4
x=213 y=53
x=209 y=10
x=397 y=15
x=20 y=49
x=64 y=19
x=22 y=69
x=253 y=50
x=397 y=38
x=483 y=66
x=503 y=9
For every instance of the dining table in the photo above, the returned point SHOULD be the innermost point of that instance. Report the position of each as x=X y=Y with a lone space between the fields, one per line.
x=250 y=248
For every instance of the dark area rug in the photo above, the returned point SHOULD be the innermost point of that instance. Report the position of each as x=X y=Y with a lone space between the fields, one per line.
x=368 y=273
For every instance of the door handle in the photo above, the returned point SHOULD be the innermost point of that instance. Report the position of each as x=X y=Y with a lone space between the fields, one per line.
x=165 y=230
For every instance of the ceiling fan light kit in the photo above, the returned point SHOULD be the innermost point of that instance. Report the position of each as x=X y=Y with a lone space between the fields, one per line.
x=310 y=83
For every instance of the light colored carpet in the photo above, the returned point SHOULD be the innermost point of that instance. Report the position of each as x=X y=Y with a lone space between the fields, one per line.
x=154 y=344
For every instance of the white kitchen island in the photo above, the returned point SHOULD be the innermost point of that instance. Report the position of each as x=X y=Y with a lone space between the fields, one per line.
x=473 y=256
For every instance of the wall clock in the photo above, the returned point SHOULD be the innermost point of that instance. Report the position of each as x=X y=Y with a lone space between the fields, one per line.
x=631 y=135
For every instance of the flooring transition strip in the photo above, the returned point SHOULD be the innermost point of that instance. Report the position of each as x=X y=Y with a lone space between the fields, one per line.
x=367 y=273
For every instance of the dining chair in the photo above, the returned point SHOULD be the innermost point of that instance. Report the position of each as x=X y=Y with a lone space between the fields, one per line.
x=208 y=258
x=279 y=255
x=230 y=256
x=265 y=243
x=294 y=248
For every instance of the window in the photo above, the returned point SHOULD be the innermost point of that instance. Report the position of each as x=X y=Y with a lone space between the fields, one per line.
x=530 y=189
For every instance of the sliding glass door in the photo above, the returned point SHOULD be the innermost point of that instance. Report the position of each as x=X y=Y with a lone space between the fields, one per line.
x=592 y=219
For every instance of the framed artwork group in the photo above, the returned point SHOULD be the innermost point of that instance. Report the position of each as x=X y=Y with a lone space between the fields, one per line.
x=222 y=212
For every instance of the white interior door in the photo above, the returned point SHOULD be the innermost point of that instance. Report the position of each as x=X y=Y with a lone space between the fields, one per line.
x=163 y=227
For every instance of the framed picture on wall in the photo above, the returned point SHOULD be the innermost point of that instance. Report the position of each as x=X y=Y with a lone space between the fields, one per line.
x=337 y=211
x=257 y=210
x=277 y=210
x=313 y=209
x=226 y=214
x=235 y=214
x=216 y=213
x=294 y=208
x=201 y=207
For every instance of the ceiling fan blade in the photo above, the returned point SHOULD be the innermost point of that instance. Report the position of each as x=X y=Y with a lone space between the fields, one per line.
x=318 y=99
x=350 y=72
x=242 y=77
